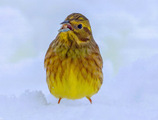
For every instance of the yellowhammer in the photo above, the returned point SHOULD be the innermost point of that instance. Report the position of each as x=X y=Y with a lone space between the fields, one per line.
x=73 y=62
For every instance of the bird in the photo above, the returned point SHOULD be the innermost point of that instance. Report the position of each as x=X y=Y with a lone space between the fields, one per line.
x=73 y=61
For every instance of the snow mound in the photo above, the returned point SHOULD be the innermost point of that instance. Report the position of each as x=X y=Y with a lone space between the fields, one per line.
x=22 y=107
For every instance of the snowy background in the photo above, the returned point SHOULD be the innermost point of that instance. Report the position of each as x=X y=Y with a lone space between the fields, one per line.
x=127 y=33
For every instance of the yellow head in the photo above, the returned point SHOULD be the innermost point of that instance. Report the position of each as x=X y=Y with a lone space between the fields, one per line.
x=77 y=28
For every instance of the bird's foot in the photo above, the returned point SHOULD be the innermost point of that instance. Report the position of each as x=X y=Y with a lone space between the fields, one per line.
x=59 y=100
x=90 y=100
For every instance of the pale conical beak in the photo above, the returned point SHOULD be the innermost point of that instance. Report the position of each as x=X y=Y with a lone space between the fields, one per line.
x=66 y=26
x=65 y=22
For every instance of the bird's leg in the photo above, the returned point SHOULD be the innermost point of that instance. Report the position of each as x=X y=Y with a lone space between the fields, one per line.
x=59 y=100
x=89 y=99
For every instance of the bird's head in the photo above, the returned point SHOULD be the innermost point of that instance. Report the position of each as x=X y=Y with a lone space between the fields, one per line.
x=78 y=28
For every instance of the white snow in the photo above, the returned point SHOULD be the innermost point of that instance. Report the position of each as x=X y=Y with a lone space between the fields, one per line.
x=132 y=94
x=126 y=32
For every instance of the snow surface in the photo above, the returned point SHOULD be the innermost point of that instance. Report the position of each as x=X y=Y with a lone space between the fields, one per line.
x=126 y=32
x=132 y=95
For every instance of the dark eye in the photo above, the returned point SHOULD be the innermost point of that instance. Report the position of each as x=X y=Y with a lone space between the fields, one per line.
x=80 y=26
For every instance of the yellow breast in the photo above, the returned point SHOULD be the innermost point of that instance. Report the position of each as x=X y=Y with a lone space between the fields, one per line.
x=73 y=78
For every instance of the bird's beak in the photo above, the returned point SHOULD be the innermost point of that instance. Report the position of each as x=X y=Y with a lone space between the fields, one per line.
x=65 y=22
x=66 y=26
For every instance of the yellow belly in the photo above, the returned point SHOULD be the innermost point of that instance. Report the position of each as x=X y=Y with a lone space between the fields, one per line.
x=73 y=80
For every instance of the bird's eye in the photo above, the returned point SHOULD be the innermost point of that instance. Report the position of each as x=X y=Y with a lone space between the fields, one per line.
x=80 y=26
